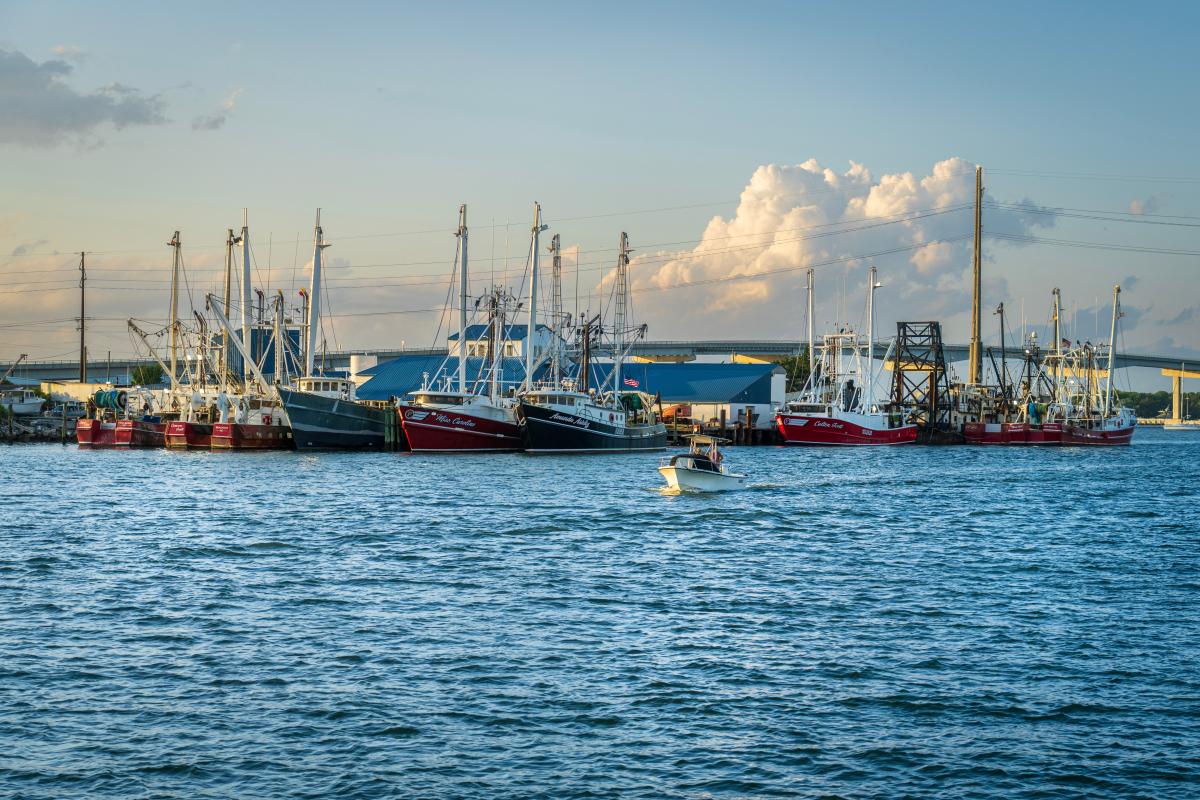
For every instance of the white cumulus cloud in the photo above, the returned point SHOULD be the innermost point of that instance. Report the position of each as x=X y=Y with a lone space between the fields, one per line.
x=750 y=267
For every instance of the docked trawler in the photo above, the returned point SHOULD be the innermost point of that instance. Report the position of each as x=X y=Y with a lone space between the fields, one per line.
x=568 y=418
x=455 y=414
x=837 y=405
x=1064 y=397
x=323 y=410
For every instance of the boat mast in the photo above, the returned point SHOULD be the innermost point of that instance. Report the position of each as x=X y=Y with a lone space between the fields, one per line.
x=1003 y=376
x=870 y=395
x=1058 y=355
x=314 y=298
x=229 y=242
x=556 y=312
x=530 y=338
x=246 y=367
x=174 y=244
x=812 y=348
x=622 y=298
x=462 y=297
x=497 y=338
x=1112 y=350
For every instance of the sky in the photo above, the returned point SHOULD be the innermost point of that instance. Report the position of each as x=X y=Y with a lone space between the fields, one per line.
x=737 y=144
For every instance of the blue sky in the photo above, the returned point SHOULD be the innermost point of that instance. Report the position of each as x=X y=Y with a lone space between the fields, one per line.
x=388 y=116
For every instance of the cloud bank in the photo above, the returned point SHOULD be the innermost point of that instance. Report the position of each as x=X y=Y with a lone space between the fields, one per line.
x=42 y=110
x=791 y=217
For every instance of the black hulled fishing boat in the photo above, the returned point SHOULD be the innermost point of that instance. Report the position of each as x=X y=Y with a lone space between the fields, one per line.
x=571 y=419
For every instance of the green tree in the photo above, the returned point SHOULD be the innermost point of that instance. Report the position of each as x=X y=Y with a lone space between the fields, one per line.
x=797 y=370
x=147 y=375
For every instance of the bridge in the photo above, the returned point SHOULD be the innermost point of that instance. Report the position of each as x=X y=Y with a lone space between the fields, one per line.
x=119 y=370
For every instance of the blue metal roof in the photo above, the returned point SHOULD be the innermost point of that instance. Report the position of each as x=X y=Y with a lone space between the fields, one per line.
x=405 y=374
x=677 y=383
x=697 y=383
x=511 y=332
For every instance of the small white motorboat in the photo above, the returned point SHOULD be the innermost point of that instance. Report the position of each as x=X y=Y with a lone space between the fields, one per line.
x=701 y=469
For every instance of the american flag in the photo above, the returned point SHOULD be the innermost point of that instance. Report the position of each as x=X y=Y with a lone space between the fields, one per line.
x=632 y=382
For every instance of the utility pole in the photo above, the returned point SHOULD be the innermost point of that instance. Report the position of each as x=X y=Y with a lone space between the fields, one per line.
x=82 y=319
x=974 y=365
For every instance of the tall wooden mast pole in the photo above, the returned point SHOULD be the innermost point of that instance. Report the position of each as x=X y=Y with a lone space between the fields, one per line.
x=174 y=243
x=462 y=297
x=82 y=319
x=975 y=364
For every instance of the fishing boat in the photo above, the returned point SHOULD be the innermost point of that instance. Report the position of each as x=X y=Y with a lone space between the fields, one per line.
x=20 y=401
x=323 y=410
x=700 y=470
x=325 y=413
x=1091 y=415
x=460 y=413
x=120 y=418
x=249 y=413
x=570 y=418
x=837 y=406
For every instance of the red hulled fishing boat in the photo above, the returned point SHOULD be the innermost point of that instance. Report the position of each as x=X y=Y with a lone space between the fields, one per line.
x=837 y=406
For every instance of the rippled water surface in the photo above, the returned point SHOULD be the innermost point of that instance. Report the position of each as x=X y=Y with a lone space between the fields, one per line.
x=913 y=622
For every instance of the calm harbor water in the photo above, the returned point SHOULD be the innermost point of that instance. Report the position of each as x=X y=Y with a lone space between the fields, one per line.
x=920 y=622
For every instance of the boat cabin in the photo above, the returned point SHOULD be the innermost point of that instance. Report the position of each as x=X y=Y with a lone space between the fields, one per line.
x=324 y=386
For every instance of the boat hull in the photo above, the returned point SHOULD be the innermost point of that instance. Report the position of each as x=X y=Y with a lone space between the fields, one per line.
x=696 y=480
x=548 y=430
x=122 y=433
x=189 y=435
x=803 y=429
x=243 y=436
x=1012 y=433
x=439 y=430
x=332 y=423
x=1079 y=435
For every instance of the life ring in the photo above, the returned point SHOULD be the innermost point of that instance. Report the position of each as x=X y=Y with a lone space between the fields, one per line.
x=266 y=419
